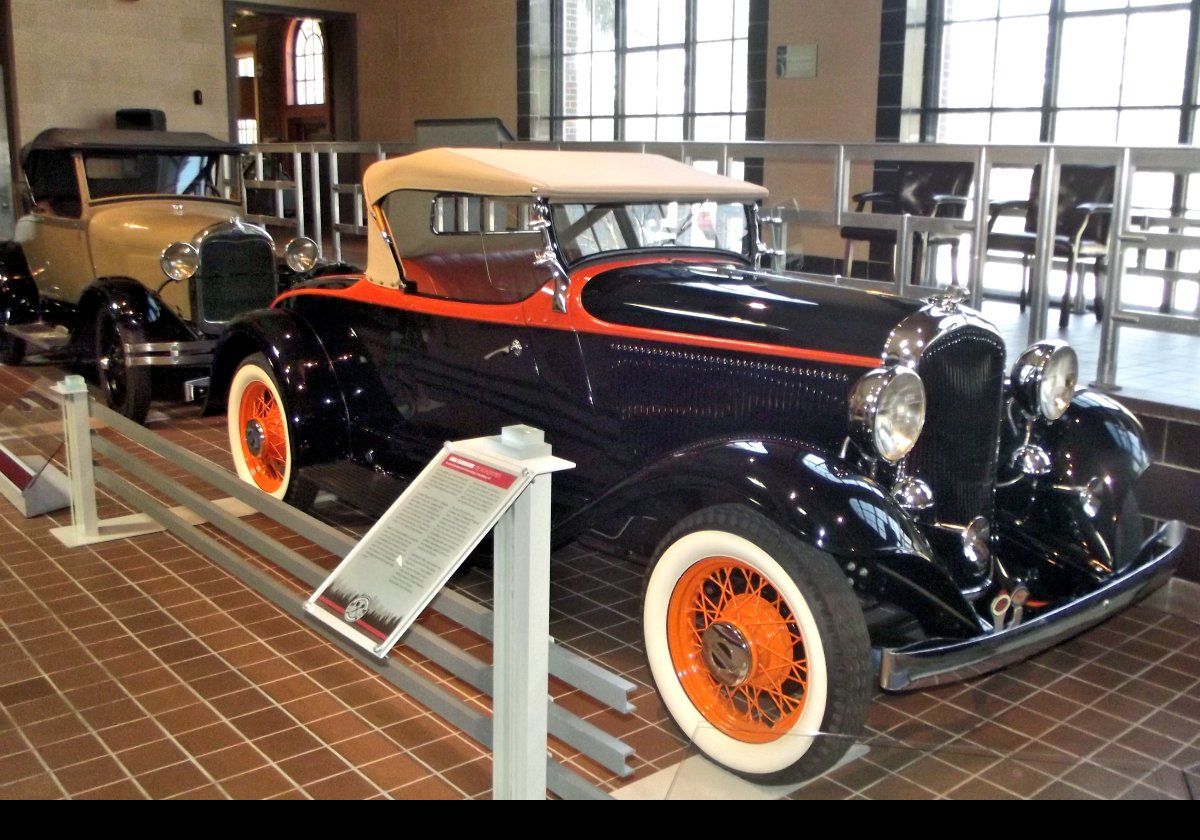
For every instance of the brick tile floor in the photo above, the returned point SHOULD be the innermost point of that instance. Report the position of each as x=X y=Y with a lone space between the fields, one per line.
x=138 y=669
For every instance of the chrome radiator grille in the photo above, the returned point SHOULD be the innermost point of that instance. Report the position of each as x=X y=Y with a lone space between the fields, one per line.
x=964 y=383
x=236 y=275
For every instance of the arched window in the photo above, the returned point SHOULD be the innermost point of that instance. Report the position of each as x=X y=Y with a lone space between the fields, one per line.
x=308 y=63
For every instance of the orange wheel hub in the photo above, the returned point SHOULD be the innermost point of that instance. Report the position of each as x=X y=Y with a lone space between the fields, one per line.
x=264 y=437
x=737 y=650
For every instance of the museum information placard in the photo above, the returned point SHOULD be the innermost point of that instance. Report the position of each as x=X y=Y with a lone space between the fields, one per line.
x=382 y=586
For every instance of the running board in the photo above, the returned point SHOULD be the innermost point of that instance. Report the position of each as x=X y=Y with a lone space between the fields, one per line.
x=359 y=487
x=41 y=335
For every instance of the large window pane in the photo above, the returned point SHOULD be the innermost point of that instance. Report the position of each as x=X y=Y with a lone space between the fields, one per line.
x=970 y=9
x=1086 y=128
x=641 y=74
x=1155 y=59
x=641 y=23
x=1090 y=68
x=1020 y=76
x=714 y=20
x=968 y=64
x=1018 y=127
x=713 y=79
x=672 y=65
x=1149 y=128
x=964 y=128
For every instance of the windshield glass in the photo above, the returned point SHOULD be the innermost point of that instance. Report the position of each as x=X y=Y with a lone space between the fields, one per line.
x=584 y=230
x=112 y=174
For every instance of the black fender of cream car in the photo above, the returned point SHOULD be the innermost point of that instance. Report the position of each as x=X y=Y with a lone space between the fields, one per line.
x=317 y=418
x=132 y=306
x=18 y=292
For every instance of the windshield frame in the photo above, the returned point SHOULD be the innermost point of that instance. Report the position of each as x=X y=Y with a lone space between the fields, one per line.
x=228 y=172
x=747 y=254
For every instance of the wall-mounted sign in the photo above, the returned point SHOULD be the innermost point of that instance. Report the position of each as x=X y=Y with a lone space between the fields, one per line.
x=796 y=61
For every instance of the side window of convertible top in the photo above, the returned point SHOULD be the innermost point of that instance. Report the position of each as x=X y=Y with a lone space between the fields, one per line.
x=52 y=180
x=465 y=247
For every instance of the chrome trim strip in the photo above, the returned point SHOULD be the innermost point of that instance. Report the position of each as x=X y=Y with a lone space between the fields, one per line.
x=941 y=661
x=170 y=354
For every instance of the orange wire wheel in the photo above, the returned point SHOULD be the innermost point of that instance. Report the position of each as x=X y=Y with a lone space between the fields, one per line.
x=263 y=436
x=737 y=650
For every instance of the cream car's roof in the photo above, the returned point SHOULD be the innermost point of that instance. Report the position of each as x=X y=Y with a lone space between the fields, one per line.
x=555 y=175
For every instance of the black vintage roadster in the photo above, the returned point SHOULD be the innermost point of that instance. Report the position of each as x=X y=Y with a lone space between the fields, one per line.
x=838 y=490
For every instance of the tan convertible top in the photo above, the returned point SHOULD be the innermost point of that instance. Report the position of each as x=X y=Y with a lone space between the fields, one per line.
x=554 y=175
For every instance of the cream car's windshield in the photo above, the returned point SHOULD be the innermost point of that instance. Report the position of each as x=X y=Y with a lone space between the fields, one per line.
x=584 y=230
x=117 y=174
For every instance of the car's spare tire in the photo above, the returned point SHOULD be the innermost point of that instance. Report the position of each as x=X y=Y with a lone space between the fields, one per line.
x=757 y=645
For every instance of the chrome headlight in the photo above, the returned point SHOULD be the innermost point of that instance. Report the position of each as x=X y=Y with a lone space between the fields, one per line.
x=1044 y=379
x=180 y=260
x=887 y=411
x=301 y=255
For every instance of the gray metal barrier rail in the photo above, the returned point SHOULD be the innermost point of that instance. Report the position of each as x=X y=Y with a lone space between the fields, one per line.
x=1167 y=230
x=589 y=678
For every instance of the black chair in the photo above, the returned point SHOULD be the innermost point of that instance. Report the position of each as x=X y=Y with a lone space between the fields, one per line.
x=1085 y=195
x=932 y=189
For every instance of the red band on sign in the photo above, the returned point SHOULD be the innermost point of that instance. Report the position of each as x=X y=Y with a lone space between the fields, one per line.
x=15 y=471
x=336 y=607
x=494 y=477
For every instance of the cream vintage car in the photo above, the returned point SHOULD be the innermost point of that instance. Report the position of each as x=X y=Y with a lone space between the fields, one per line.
x=133 y=256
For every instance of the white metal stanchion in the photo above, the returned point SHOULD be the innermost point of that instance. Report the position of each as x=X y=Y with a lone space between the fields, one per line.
x=86 y=527
x=522 y=638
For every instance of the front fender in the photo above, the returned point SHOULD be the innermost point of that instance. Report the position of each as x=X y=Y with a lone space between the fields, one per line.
x=1096 y=438
x=131 y=305
x=317 y=417
x=824 y=504
x=18 y=292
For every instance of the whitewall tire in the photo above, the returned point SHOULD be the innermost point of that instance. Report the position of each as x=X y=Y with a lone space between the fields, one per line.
x=757 y=645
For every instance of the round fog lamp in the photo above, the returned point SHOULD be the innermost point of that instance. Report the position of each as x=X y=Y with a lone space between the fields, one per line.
x=301 y=255
x=179 y=261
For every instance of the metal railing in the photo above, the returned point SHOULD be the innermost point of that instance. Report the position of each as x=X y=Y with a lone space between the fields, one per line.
x=332 y=181
x=139 y=483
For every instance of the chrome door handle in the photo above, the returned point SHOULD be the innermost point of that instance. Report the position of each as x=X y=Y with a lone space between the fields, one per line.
x=515 y=349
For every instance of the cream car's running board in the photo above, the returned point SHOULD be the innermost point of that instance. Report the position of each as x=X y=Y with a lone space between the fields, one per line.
x=39 y=334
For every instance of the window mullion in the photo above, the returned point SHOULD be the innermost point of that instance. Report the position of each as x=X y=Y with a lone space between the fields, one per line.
x=689 y=74
x=619 y=48
x=935 y=20
x=1050 y=86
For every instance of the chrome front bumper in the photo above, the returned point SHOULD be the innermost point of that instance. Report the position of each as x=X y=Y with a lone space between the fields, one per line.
x=939 y=661
x=170 y=354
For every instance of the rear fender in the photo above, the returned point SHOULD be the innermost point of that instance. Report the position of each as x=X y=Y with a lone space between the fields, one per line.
x=317 y=419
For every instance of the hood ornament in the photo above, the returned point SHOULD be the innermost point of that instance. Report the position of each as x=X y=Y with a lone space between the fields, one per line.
x=950 y=299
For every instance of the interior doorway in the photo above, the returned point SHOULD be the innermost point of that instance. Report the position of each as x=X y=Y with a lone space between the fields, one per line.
x=291 y=74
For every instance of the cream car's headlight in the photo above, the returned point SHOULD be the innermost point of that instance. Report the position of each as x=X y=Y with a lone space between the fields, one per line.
x=887 y=411
x=301 y=255
x=1044 y=379
x=180 y=260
